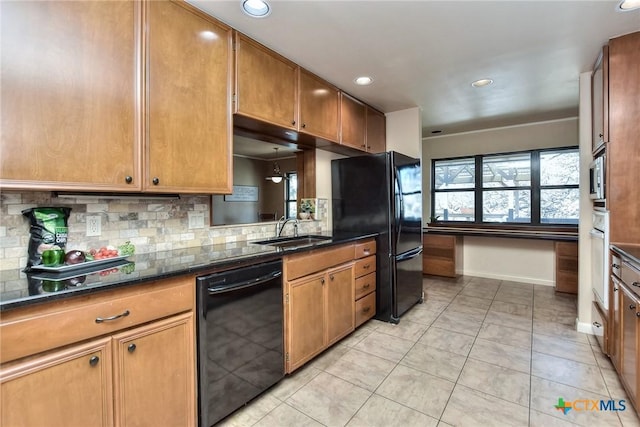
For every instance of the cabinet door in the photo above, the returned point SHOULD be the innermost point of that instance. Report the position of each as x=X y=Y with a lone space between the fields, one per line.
x=266 y=85
x=340 y=291
x=319 y=107
x=615 y=322
x=629 y=312
x=189 y=140
x=72 y=387
x=305 y=313
x=376 y=131
x=154 y=378
x=352 y=122
x=69 y=118
x=600 y=100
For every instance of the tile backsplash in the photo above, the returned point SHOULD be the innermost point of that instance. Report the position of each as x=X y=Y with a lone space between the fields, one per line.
x=150 y=224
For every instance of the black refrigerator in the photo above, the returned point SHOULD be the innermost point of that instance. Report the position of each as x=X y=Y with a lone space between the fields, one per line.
x=382 y=193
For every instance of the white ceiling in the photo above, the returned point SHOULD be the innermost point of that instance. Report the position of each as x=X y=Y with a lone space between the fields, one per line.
x=427 y=53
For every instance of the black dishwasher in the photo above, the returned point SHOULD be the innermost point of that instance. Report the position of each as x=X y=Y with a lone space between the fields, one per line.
x=240 y=337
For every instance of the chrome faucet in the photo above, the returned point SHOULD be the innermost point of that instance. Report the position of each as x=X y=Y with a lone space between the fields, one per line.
x=282 y=222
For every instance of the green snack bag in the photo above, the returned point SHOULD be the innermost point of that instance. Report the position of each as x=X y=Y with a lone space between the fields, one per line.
x=48 y=230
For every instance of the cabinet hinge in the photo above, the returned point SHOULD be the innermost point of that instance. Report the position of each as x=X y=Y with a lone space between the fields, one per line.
x=286 y=357
x=286 y=299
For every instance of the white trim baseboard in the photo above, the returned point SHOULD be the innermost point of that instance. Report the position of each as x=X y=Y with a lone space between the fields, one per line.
x=585 y=328
x=533 y=280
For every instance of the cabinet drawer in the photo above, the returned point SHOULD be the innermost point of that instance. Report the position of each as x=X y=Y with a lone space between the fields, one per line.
x=364 y=249
x=31 y=330
x=631 y=276
x=600 y=327
x=365 y=285
x=365 y=265
x=436 y=241
x=308 y=263
x=365 y=308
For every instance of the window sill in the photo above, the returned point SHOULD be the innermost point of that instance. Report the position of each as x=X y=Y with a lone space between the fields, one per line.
x=557 y=233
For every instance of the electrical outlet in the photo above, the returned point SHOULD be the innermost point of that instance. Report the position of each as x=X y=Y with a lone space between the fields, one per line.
x=94 y=225
x=196 y=219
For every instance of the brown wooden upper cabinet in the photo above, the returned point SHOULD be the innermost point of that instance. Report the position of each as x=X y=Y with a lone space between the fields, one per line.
x=352 y=122
x=189 y=142
x=68 y=99
x=266 y=86
x=319 y=107
x=79 y=114
x=376 y=139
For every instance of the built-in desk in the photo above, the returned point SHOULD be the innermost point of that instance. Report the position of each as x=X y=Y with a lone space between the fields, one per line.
x=443 y=250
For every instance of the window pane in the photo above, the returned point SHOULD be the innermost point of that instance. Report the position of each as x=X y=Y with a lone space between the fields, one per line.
x=291 y=210
x=292 y=187
x=560 y=206
x=453 y=174
x=455 y=206
x=513 y=170
x=560 y=168
x=506 y=206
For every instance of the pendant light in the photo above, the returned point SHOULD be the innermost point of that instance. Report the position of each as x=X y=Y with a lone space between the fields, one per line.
x=276 y=176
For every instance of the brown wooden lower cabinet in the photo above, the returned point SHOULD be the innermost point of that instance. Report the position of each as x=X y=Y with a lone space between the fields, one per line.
x=132 y=374
x=324 y=289
x=566 y=255
x=441 y=254
x=624 y=324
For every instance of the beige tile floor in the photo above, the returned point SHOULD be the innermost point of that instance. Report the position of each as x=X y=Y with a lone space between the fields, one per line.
x=478 y=352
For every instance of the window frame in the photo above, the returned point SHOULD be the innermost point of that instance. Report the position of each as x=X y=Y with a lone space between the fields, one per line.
x=287 y=194
x=478 y=188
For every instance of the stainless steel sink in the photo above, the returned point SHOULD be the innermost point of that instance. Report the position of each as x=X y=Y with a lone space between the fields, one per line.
x=288 y=242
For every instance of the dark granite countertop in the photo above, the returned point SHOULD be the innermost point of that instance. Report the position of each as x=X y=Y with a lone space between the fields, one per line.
x=630 y=251
x=19 y=289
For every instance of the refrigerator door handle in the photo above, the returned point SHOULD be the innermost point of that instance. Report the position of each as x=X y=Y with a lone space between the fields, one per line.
x=399 y=214
x=409 y=255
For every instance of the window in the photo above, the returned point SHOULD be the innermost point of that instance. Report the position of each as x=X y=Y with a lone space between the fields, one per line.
x=531 y=187
x=291 y=195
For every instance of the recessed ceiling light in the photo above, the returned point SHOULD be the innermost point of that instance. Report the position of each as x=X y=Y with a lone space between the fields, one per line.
x=482 y=83
x=363 y=80
x=256 y=8
x=626 y=5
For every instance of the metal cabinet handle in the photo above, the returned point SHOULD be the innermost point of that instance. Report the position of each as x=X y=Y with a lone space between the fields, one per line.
x=366 y=309
x=614 y=265
x=93 y=361
x=331 y=277
x=597 y=324
x=131 y=348
x=632 y=307
x=155 y=180
x=366 y=266
x=636 y=284
x=128 y=179
x=293 y=122
x=322 y=281
x=637 y=313
x=108 y=319
x=304 y=125
x=366 y=286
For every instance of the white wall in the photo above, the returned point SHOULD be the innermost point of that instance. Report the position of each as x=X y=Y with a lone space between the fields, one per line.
x=530 y=261
x=585 y=295
x=518 y=260
x=404 y=131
